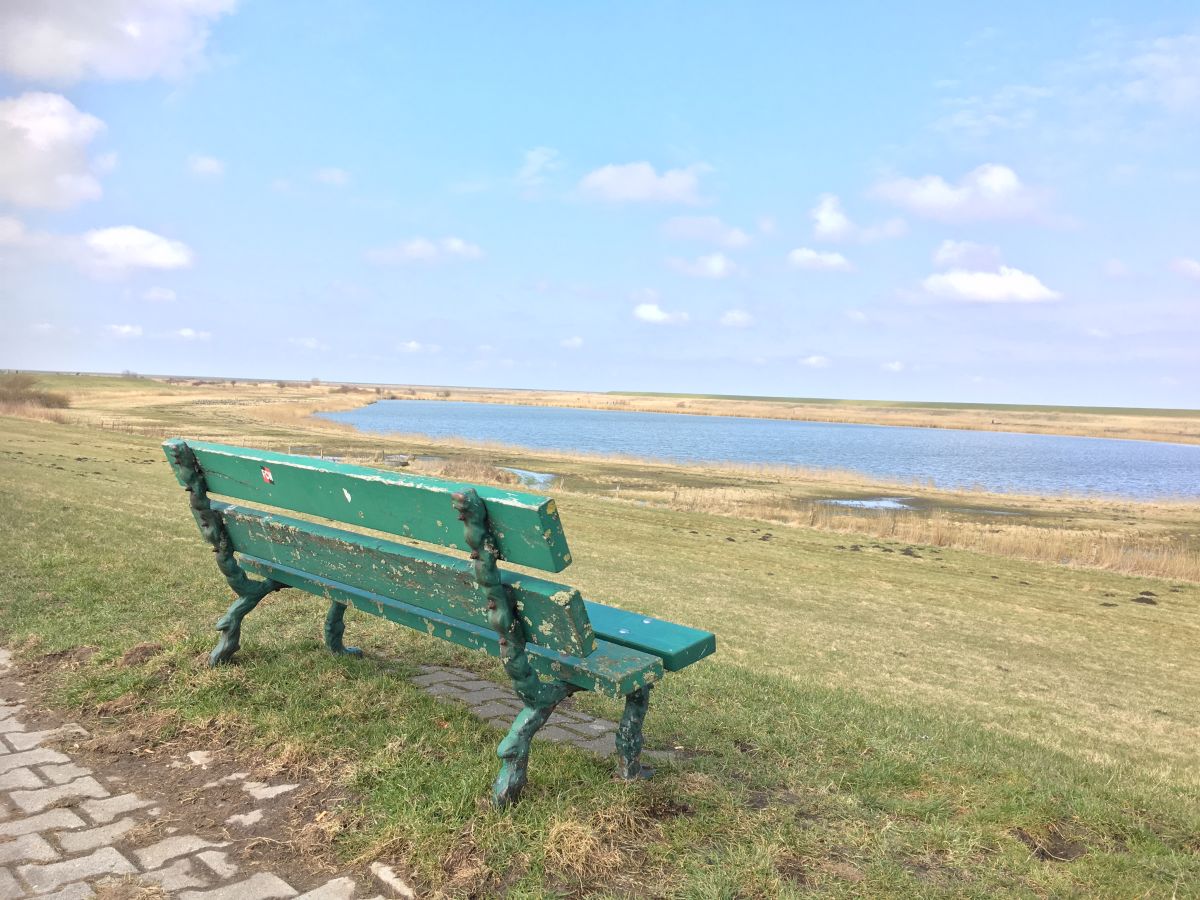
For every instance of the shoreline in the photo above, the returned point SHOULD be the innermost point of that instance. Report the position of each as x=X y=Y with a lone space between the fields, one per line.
x=811 y=474
x=1158 y=426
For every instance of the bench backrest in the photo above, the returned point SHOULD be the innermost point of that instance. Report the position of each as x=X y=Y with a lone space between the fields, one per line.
x=526 y=527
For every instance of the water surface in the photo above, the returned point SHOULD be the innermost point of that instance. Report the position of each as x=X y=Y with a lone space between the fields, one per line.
x=994 y=461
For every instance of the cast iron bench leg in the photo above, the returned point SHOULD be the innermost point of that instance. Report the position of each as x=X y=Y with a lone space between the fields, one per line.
x=629 y=735
x=230 y=624
x=335 y=628
x=514 y=753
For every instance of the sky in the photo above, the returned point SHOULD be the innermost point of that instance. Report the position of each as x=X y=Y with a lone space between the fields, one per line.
x=935 y=201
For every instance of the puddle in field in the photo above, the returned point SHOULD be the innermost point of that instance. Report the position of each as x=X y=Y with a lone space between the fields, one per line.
x=873 y=503
x=532 y=479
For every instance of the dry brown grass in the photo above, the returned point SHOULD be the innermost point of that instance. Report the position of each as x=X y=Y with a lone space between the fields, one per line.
x=25 y=410
x=1158 y=552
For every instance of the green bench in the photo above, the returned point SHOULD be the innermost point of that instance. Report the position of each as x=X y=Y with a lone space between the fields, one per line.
x=552 y=642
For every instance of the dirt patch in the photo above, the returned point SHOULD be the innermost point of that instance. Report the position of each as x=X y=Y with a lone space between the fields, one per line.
x=139 y=654
x=792 y=868
x=1147 y=601
x=1053 y=846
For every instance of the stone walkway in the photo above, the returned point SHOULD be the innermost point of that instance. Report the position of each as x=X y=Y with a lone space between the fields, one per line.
x=67 y=832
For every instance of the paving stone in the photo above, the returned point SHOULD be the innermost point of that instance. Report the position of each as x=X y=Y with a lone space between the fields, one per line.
x=483 y=695
x=40 y=756
x=261 y=791
x=497 y=708
x=9 y=886
x=30 y=739
x=63 y=773
x=178 y=876
x=661 y=755
x=28 y=848
x=11 y=725
x=77 y=891
x=82 y=841
x=245 y=820
x=338 y=889
x=54 y=818
x=604 y=745
x=432 y=678
x=104 y=811
x=219 y=862
x=262 y=886
x=105 y=861
x=476 y=684
x=156 y=854
x=20 y=778
x=36 y=801
x=576 y=730
x=554 y=733
x=388 y=877
x=445 y=690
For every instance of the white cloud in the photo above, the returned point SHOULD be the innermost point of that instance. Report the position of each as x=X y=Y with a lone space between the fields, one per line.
x=807 y=258
x=332 y=176
x=1167 y=72
x=989 y=192
x=1188 y=268
x=894 y=366
x=715 y=265
x=421 y=249
x=102 y=253
x=127 y=247
x=766 y=225
x=418 y=347
x=707 y=229
x=1007 y=285
x=815 y=362
x=571 y=343
x=159 y=295
x=638 y=182
x=125 y=331
x=206 y=166
x=652 y=312
x=966 y=255
x=190 y=334
x=736 y=318
x=64 y=41
x=539 y=163
x=830 y=223
x=43 y=152
x=856 y=315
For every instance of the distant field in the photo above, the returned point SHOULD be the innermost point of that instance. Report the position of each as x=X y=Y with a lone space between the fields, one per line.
x=884 y=718
x=1129 y=423
x=928 y=404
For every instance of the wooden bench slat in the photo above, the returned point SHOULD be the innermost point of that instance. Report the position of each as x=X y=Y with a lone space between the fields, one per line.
x=554 y=614
x=526 y=526
x=678 y=646
x=610 y=669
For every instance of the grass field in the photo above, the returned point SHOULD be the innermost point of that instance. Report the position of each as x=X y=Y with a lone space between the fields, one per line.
x=883 y=718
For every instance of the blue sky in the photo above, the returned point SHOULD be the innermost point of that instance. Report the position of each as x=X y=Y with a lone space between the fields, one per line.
x=951 y=202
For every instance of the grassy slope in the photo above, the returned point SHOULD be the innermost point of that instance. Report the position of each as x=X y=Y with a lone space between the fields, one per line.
x=873 y=724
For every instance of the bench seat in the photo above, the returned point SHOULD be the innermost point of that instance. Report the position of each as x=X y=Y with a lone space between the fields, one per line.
x=610 y=669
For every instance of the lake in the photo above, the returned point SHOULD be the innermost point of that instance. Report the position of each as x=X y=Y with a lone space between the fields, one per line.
x=995 y=461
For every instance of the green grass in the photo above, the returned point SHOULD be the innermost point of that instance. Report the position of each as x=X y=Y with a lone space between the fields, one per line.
x=873 y=724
